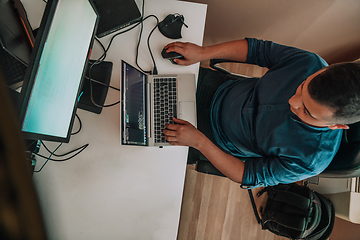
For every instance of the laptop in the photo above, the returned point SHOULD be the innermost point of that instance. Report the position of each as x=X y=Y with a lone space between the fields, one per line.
x=150 y=101
x=16 y=40
x=115 y=15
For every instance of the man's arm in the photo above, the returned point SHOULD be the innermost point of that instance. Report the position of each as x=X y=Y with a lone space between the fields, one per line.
x=185 y=134
x=234 y=50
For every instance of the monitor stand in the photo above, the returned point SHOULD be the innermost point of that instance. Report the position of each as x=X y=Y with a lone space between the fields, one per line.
x=102 y=73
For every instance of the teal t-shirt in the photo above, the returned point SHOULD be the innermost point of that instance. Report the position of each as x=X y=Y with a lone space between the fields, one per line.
x=252 y=118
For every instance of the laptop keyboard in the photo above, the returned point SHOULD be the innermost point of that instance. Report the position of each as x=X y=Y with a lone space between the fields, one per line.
x=165 y=99
x=14 y=69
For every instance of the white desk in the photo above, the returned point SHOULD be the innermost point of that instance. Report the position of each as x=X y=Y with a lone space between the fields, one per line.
x=111 y=191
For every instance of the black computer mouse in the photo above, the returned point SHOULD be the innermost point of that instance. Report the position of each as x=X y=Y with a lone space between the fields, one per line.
x=171 y=26
x=171 y=55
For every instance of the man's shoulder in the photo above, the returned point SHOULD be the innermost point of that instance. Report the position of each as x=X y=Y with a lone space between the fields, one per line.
x=313 y=58
x=304 y=60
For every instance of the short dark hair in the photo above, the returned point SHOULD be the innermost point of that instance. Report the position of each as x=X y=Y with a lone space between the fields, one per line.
x=338 y=87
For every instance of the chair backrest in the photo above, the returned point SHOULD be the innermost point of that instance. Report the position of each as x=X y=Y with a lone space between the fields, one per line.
x=215 y=64
x=346 y=163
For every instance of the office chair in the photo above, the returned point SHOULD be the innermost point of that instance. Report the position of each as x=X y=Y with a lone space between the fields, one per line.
x=346 y=163
x=344 y=166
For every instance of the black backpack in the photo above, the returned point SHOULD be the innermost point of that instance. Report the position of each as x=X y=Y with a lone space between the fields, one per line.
x=295 y=212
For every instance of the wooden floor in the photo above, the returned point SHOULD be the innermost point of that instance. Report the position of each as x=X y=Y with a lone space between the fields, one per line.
x=215 y=208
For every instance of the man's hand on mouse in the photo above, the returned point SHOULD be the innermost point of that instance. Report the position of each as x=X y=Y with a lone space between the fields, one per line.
x=191 y=52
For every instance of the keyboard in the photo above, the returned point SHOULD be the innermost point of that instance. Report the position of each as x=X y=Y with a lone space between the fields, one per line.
x=13 y=68
x=165 y=102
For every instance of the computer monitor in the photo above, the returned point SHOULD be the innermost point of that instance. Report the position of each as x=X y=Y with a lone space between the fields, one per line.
x=53 y=81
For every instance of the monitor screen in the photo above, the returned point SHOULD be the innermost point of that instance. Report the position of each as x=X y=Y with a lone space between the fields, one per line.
x=53 y=80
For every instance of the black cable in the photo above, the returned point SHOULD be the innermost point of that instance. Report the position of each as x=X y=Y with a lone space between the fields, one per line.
x=113 y=37
x=79 y=126
x=141 y=30
x=52 y=153
x=48 y=158
x=98 y=61
x=32 y=143
x=102 y=46
x=91 y=91
x=148 y=40
x=66 y=159
x=148 y=44
x=103 y=56
x=59 y=155
x=106 y=85
x=101 y=59
x=82 y=148
x=139 y=40
x=134 y=26
x=155 y=72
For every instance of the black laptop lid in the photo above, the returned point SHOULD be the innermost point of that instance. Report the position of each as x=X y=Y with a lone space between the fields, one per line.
x=115 y=14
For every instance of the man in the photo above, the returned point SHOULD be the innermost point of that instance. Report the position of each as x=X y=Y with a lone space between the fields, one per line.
x=289 y=122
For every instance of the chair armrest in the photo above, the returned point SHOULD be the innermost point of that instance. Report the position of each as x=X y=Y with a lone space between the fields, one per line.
x=346 y=163
x=207 y=167
x=215 y=64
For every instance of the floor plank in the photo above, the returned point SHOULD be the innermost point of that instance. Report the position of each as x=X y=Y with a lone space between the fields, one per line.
x=216 y=208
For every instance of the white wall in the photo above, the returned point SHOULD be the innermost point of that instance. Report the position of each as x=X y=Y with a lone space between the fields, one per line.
x=330 y=28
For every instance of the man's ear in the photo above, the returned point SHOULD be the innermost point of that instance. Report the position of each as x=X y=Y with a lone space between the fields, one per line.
x=338 y=126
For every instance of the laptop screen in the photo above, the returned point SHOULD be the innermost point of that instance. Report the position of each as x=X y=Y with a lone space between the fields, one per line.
x=133 y=106
x=53 y=81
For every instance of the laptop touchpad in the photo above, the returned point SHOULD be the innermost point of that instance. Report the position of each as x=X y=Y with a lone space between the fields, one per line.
x=188 y=112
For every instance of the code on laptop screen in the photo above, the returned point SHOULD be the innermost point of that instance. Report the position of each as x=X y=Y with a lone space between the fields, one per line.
x=134 y=106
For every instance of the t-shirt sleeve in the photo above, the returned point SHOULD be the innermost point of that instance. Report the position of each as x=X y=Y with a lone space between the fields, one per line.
x=269 y=54
x=271 y=171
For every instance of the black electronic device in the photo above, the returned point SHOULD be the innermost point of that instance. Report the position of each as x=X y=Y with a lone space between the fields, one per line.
x=97 y=91
x=14 y=70
x=171 y=55
x=53 y=80
x=115 y=15
x=171 y=26
x=16 y=41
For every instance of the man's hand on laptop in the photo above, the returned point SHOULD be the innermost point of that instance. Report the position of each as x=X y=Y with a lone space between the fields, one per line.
x=183 y=133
